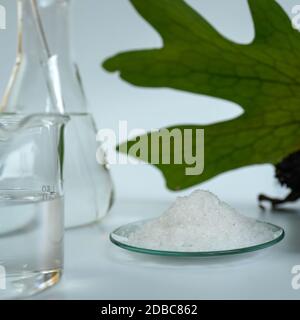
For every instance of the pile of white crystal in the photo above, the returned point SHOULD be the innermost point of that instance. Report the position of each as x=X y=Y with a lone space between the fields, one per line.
x=200 y=222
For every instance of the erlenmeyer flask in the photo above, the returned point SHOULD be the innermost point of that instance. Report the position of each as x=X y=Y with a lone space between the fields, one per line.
x=31 y=203
x=88 y=186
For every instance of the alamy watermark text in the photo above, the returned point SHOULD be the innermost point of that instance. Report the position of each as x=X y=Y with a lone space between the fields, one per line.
x=173 y=146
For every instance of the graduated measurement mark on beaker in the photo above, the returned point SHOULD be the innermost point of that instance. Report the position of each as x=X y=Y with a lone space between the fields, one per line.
x=48 y=192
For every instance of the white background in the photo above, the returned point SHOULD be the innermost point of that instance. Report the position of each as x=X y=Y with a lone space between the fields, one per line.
x=101 y=28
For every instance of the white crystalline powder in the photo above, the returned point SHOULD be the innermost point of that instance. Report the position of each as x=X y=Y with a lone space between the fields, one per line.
x=200 y=222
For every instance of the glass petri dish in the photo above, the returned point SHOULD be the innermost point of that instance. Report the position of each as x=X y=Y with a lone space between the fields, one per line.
x=120 y=237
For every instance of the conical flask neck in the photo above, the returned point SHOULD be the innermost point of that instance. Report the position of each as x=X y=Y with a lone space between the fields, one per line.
x=44 y=79
x=49 y=18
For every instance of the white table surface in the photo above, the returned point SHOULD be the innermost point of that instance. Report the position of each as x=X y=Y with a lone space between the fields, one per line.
x=96 y=269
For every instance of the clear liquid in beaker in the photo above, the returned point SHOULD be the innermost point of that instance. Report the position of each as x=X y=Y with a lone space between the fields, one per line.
x=31 y=242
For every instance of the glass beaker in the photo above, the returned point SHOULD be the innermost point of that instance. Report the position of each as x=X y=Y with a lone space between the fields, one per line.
x=31 y=203
x=88 y=185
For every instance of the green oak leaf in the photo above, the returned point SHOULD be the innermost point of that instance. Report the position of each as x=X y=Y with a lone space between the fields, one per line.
x=263 y=77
